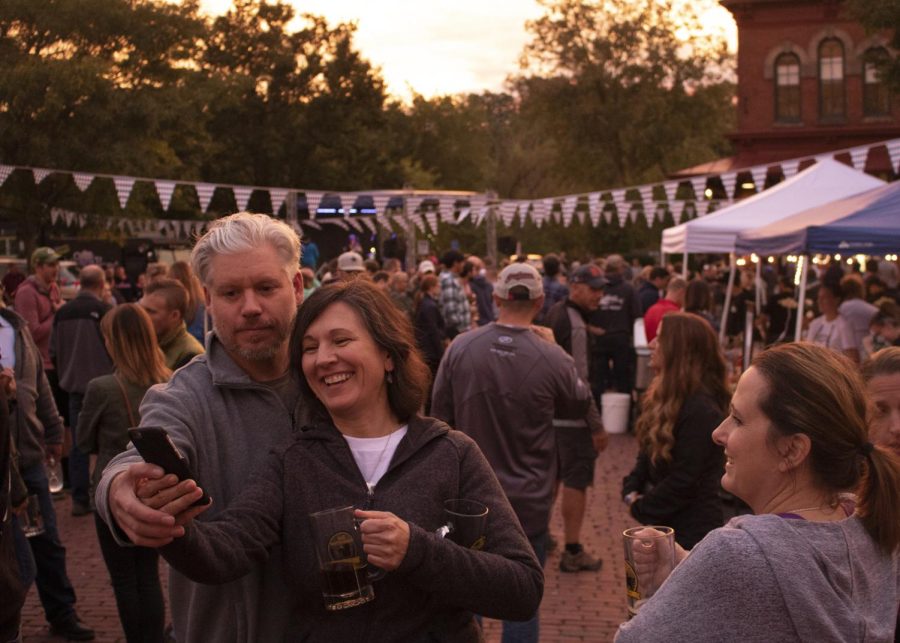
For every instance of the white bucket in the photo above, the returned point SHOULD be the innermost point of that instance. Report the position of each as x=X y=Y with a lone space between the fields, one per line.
x=616 y=407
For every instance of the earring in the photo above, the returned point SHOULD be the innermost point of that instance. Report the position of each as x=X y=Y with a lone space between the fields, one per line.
x=389 y=377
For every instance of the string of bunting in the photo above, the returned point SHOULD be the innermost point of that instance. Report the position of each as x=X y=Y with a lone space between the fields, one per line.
x=424 y=213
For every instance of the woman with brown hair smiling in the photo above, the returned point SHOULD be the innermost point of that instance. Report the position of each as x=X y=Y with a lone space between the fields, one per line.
x=367 y=446
x=815 y=563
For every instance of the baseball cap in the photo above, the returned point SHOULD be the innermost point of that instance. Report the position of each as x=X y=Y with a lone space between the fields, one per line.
x=350 y=262
x=589 y=274
x=519 y=274
x=426 y=266
x=44 y=255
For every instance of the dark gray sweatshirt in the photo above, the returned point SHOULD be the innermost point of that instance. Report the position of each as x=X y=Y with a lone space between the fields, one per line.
x=771 y=579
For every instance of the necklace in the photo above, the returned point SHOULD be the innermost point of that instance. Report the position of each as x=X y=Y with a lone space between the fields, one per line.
x=370 y=484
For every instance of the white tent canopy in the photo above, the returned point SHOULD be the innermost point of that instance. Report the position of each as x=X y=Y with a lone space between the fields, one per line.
x=824 y=182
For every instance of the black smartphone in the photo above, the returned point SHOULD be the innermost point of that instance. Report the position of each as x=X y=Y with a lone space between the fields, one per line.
x=156 y=447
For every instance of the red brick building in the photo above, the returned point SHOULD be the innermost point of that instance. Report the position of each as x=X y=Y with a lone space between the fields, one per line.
x=807 y=84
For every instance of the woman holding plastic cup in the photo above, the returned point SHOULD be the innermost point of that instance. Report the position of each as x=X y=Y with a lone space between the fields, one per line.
x=369 y=448
x=815 y=563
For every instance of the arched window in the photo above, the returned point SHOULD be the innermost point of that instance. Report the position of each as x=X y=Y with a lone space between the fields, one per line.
x=876 y=97
x=787 y=88
x=832 y=104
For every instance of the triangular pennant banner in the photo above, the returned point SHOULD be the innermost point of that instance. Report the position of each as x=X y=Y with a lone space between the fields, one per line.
x=893 y=150
x=313 y=199
x=432 y=218
x=646 y=192
x=413 y=203
x=55 y=215
x=728 y=181
x=165 y=189
x=5 y=171
x=621 y=206
x=595 y=208
x=677 y=210
x=204 y=194
x=580 y=215
x=568 y=209
x=540 y=210
x=671 y=190
x=477 y=203
x=277 y=195
x=859 y=155
x=789 y=168
x=508 y=211
x=242 y=197
x=702 y=208
x=607 y=213
x=40 y=174
x=419 y=220
x=381 y=202
x=82 y=181
x=759 y=177
x=699 y=185
x=446 y=208
x=123 y=188
x=463 y=215
x=482 y=213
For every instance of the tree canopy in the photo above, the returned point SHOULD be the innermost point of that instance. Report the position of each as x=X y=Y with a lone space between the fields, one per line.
x=610 y=93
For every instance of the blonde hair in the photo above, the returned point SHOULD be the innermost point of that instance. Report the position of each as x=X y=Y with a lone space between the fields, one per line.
x=181 y=270
x=692 y=362
x=132 y=345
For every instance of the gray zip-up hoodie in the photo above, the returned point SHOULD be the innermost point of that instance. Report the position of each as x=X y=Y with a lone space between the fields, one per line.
x=225 y=424
x=35 y=421
x=771 y=579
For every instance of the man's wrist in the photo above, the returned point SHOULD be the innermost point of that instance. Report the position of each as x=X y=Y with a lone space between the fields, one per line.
x=630 y=498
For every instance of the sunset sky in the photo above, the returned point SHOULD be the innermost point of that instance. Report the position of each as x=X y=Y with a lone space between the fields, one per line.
x=435 y=47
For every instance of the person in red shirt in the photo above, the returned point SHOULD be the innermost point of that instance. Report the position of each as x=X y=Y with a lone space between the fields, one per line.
x=672 y=302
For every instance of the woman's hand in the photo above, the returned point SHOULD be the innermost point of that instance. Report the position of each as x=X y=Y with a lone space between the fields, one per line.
x=385 y=538
x=169 y=496
x=651 y=562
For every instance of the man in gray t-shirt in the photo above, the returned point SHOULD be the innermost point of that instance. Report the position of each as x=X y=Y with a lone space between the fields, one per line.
x=502 y=384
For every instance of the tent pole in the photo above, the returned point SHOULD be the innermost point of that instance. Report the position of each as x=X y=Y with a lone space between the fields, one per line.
x=758 y=289
x=801 y=298
x=684 y=266
x=722 y=327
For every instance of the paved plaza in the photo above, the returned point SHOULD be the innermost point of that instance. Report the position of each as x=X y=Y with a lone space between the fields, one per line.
x=587 y=606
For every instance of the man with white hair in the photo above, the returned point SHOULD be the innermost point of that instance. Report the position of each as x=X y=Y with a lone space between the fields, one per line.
x=224 y=411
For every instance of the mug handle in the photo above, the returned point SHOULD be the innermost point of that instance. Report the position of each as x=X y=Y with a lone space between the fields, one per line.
x=372 y=573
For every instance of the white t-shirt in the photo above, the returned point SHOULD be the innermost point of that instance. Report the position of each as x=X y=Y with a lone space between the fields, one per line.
x=7 y=344
x=834 y=334
x=373 y=455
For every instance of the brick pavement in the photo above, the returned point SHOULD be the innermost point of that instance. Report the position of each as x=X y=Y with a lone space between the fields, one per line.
x=587 y=606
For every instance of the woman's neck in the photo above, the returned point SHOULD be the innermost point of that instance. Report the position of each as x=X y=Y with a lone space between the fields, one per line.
x=831 y=315
x=810 y=503
x=368 y=424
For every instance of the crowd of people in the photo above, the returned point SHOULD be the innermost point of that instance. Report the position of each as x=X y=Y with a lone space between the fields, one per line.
x=293 y=388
